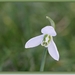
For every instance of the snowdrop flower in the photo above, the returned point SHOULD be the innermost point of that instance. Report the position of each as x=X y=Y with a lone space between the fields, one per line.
x=45 y=40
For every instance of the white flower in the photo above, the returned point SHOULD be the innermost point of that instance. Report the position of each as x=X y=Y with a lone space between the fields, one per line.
x=45 y=40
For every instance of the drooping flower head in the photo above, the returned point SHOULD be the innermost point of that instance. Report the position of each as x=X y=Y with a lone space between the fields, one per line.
x=46 y=40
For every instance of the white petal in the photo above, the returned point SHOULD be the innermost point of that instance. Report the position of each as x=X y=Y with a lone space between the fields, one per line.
x=49 y=30
x=33 y=42
x=52 y=49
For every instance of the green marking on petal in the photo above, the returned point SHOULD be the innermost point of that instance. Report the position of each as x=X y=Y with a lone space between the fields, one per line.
x=46 y=40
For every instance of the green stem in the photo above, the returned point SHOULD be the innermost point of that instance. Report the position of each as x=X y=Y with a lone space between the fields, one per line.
x=43 y=60
x=51 y=21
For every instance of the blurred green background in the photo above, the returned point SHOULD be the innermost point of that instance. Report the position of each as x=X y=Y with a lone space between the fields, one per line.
x=20 y=21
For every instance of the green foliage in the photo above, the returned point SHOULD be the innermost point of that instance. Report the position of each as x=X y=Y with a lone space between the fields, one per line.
x=20 y=21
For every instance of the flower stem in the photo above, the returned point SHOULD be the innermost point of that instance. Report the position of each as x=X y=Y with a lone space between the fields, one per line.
x=43 y=60
x=51 y=21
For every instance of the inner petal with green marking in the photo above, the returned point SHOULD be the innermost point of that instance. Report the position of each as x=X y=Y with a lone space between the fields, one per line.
x=46 y=40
